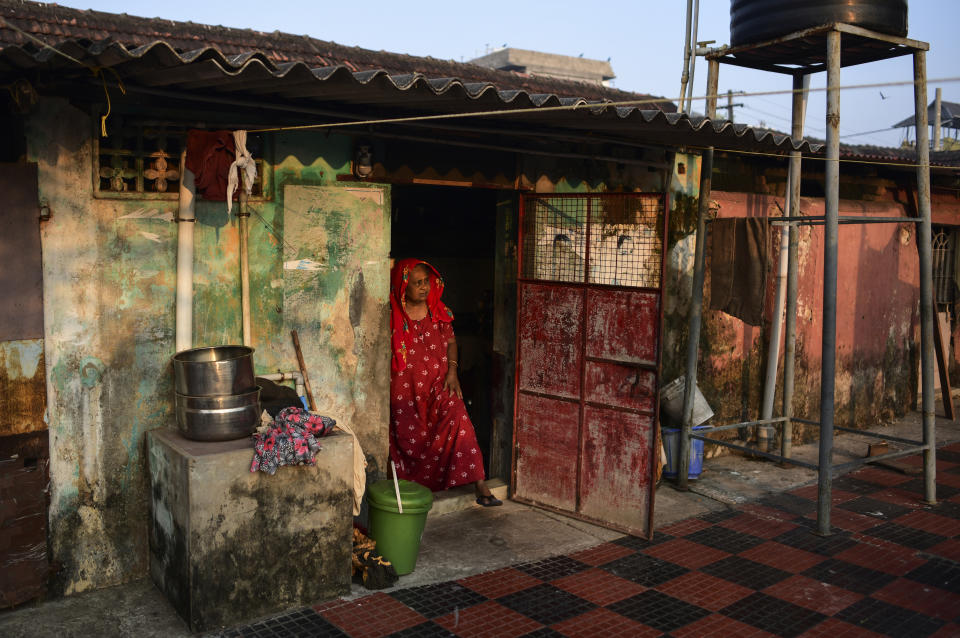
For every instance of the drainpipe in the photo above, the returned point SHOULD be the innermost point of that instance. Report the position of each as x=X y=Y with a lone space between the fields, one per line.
x=186 y=221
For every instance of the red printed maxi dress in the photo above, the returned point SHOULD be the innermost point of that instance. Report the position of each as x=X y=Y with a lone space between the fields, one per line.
x=432 y=439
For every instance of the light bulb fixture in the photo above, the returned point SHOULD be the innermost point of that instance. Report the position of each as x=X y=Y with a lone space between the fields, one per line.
x=363 y=163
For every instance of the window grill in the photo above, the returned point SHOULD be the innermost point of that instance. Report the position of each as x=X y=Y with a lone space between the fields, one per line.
x=142 y=161
x=944 y=286
x=610 y=239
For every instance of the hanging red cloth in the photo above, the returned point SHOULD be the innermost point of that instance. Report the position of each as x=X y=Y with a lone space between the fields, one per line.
x=432 y=440
x=209 y=156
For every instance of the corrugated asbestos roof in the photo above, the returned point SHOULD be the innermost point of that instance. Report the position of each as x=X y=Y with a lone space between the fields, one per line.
x=282 y=71
x=253 y=75
x=56 y=24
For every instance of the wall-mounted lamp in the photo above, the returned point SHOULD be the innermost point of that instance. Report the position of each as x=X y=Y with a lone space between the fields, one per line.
x=363 y=163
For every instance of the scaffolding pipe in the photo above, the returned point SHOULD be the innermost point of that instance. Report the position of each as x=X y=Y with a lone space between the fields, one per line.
x=937 y=117
x=243 y=217
x=766 y=433
x=693 y=57
x=828 y=365
x=800 y=86
x=926 y=277
x=695 y=316
x=685 y=76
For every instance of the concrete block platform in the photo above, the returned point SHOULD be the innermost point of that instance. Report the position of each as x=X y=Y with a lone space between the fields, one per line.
x=228 y=545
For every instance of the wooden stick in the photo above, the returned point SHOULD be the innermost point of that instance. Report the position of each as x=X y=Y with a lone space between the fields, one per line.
x=938 y=346
x=303 y=371
x=942 y=368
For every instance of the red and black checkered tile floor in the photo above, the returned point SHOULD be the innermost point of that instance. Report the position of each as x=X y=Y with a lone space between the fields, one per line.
x=892 y=568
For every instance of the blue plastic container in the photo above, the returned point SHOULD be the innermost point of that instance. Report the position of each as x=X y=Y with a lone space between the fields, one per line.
x=671 y=439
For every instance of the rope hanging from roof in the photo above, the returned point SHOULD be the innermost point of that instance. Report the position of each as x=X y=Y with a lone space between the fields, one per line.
x=98 y=72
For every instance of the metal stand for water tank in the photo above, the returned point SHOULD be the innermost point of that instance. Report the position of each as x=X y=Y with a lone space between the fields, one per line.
x=825 y=48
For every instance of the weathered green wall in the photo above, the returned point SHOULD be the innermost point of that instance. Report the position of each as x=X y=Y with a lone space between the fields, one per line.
x=108 y=286
x=109 y=277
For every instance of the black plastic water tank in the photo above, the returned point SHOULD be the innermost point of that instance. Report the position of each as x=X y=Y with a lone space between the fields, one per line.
x=760 y=20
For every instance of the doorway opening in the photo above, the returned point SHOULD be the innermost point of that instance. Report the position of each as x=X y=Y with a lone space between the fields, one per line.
x=454 y=229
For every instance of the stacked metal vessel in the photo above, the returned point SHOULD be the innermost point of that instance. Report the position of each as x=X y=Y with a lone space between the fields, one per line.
x=217 y=398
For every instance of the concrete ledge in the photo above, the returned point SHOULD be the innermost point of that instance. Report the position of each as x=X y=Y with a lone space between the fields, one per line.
x=228 y=545
x=462 y=498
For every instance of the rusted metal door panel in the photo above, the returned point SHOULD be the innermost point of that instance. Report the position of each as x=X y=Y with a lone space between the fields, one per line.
x=590 y=313
x=615 y=468
x=620 y=386
x=623 y=325
x=547 y=441
x=24 y=475
x=21 y=274
x=550 y=343
x=23 y=387
x=24 y=448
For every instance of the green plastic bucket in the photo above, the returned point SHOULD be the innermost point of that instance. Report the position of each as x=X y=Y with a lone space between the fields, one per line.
x=398 y=535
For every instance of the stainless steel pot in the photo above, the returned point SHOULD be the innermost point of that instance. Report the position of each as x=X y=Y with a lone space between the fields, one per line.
x=214 y=371
x=218 y=418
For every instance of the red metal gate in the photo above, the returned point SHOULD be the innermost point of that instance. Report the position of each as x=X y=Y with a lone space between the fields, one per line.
x=590 y=315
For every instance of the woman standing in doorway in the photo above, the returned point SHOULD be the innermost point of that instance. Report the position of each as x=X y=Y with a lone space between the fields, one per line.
x=432 y=440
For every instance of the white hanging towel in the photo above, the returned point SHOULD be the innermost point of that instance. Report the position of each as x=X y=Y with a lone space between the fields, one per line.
x=245 y=163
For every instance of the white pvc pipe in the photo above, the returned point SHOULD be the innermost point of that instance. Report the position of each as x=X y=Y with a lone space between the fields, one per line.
x=186 y=220
x=296 y=377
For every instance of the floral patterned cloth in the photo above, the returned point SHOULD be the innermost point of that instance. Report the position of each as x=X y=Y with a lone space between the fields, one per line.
x=290 y=440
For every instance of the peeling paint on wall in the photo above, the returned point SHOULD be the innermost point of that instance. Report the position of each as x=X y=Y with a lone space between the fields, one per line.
x=23 y=391
x=340 y=311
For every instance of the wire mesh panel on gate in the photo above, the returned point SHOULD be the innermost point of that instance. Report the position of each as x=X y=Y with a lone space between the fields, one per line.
x=608 y=239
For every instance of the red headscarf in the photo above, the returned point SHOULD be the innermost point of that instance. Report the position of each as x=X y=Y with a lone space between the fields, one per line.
x=399 y=321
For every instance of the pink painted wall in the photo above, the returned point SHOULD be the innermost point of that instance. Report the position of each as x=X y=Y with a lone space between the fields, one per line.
x=877 y=316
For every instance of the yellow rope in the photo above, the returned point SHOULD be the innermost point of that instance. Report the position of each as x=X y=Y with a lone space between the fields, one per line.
x=98 y=72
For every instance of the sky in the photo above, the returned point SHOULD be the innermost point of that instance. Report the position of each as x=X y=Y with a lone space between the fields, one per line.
x=642 y=38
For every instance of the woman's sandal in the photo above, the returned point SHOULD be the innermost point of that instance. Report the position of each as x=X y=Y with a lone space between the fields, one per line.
x=488 y=500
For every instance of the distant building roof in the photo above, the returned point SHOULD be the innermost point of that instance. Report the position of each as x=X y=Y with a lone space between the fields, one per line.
x=949 y=116
x=553 y=65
